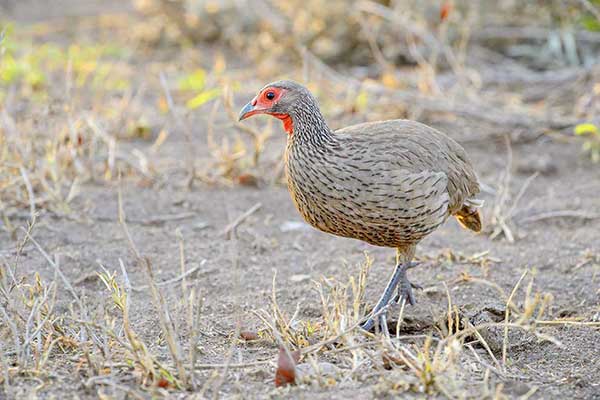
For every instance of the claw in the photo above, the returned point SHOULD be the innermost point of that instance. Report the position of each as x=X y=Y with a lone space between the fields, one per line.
x=404 y=291
x=383 y=326
x=405 y=288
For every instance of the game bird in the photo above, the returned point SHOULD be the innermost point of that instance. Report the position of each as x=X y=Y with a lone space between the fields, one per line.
x=388 y=183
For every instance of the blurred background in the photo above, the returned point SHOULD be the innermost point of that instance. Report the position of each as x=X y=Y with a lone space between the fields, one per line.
x=157 y=68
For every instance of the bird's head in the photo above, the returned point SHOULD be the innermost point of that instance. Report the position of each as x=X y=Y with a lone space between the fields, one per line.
x=282 y=100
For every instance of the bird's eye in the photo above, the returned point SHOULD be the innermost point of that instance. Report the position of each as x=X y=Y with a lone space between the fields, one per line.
x=270 y=95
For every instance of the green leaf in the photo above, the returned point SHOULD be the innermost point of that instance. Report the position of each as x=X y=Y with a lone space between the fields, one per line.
x=193 y=82
x=362 y=101
x=202 y=98
x=11 y=70
x=586 y=128
x=590 y=23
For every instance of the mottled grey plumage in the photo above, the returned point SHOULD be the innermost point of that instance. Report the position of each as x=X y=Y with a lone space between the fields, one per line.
x=387 y=183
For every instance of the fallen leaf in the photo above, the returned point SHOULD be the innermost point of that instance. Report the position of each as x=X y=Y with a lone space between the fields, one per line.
x=247 y=180
x=162 y=383
x=248 y=336
x=286 y=367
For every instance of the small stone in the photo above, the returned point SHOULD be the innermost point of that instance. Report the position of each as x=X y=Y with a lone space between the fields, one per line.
x=198 y=226
x=290 y=226
x=299 y=278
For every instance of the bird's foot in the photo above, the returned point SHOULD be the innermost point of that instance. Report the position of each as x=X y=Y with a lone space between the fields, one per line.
x=405 y=287
x=405 y=292
x=379 y=321
x=399 y=280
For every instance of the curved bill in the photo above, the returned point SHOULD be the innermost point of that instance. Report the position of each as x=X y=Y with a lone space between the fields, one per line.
x=247 y=111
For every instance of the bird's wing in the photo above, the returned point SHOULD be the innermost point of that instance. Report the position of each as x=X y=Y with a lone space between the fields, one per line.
x=414 y=147
x=411 y=203
x=403 y=196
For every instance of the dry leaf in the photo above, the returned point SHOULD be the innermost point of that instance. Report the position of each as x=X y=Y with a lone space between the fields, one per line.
x=162 y=383
x=248 y=336
x=247 y=180
x=286 y=367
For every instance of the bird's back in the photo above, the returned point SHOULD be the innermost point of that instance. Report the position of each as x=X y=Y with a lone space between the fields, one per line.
x=388 y=183
x=416 y=147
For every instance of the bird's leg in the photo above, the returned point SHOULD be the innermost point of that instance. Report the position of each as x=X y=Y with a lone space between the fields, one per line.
x=398 y=276
x=383 y=326
x=405 y=287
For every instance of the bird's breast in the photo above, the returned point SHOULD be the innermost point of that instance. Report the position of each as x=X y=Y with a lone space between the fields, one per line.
x=331 y=197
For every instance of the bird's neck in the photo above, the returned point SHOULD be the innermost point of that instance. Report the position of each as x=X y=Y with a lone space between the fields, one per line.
x=309 y=128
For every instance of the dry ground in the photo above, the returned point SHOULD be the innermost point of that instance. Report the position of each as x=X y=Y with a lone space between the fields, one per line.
x=549 y=353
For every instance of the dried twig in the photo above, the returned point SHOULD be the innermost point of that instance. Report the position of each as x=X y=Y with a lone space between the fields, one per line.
x=506 y=316
x=529 y=32
x=233 y=365
x=186 y=131
x=178 y=278
x=166 y=323
x=235 y=267
x=161 y=219
x=54 y=265
x=159 y=302
x=591 y=8
x=578 y=214
x=30 y=194
x=233 y=225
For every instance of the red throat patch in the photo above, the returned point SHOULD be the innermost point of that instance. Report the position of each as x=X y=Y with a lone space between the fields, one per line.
x=287 y=122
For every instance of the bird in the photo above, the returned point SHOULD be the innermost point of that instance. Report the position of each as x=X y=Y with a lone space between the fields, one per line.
x=387 y=183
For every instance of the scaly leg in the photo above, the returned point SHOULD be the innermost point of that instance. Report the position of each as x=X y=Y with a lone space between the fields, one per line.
x=405 y=288
x=398 y=278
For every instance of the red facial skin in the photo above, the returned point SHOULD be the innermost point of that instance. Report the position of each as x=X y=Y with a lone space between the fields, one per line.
x=262 y=105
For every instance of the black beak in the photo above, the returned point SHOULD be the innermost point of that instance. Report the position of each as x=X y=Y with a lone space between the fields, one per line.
x=247 y=111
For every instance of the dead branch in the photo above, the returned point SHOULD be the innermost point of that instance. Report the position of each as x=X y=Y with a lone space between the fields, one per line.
x=578 y=214
x=229 y=228
x=511 y=33
x=173 y=280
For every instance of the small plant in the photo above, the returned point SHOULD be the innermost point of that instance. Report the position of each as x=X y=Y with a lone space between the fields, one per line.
x=195 y=83
x=591 y=145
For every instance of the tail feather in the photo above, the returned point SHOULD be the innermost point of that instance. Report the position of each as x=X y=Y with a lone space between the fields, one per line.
x=468 y=216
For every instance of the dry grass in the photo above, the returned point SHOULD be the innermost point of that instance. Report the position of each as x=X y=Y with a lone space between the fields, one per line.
x=430 y=363
x=434 y=362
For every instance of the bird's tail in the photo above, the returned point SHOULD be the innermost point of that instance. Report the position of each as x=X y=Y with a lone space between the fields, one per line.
x=468 y=216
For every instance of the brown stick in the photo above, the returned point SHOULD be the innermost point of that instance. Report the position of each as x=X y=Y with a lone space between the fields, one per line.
x=559 y=214
x=240 y=219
